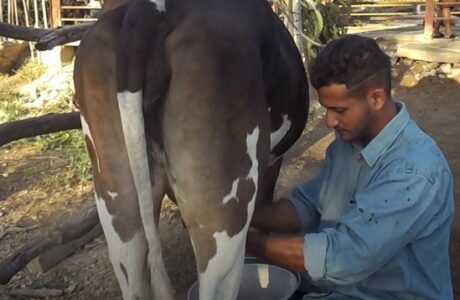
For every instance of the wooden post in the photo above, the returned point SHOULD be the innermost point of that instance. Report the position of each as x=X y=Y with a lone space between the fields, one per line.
x=1 y=10
x=297 y=20
x=55 y=13
x=429 y=17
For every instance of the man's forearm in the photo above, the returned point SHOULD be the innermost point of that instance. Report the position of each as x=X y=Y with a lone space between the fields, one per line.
x=276 y=217
x=286 y=251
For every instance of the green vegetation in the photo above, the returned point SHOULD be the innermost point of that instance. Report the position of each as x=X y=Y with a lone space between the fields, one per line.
x=69 y=160
x=322 y=21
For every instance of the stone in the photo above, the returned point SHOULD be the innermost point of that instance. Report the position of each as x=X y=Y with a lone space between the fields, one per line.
x=407 y=61
x=409 y=80
x=454 y=73
x=421 y=66
x=428 y=73
x=445 y=68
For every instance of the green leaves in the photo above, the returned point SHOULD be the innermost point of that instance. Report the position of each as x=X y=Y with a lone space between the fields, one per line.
x=322 y=21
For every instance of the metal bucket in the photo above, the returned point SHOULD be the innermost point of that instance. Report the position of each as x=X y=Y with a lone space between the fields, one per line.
x=261 y=281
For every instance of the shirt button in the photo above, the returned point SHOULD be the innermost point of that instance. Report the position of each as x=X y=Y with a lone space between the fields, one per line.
x=360 y=159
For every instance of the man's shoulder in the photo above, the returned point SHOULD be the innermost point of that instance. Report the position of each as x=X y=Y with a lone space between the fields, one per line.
x=415 y=152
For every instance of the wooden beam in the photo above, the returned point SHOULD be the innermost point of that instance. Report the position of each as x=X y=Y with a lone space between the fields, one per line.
x=79 y=7
x=59 y=236
x=365 y=14
x=55 y=13
x=78 y=19
x=16 y=130
x=429 y=18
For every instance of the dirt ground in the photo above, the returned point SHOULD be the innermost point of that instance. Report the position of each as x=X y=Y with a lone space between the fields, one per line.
x=25 y=201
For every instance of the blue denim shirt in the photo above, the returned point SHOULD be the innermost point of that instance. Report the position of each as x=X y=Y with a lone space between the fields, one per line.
x=378 y=218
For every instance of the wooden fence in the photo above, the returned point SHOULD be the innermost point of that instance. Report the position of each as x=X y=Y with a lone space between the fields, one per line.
x=55 y=13
x=404 y=10
x=68 y=13
x=375 y=9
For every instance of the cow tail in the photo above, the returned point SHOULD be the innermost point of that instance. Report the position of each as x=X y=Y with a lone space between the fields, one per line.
x=140 y=26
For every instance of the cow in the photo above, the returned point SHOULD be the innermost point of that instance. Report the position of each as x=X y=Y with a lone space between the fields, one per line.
x=197 y=100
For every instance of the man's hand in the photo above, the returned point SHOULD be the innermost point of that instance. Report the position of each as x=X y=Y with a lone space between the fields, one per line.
x=286 y=251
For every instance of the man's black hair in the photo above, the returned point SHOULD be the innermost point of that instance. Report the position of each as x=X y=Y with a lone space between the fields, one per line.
x=352 y=60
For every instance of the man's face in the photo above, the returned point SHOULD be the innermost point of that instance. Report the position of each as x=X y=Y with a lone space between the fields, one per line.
x=349 y=116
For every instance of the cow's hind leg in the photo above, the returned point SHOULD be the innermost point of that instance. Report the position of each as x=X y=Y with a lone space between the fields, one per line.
x=217 y=141
x=217 y=210
x=123 y=188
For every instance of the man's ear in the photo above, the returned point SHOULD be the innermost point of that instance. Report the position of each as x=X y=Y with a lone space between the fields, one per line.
x=376 y=98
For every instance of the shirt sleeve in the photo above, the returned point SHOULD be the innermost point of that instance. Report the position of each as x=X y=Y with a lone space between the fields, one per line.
x=389 y=214
x=305 y=197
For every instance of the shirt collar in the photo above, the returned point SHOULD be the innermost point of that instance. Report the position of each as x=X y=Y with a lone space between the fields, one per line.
x=374 y=150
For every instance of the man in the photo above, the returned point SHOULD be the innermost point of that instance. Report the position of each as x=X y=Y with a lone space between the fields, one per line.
x=375 y=220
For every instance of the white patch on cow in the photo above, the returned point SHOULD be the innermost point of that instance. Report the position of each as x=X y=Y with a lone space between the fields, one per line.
x=277 y=136
x=222 y=277
x=130 y=254
x=232 y=193
x=112 y=195
x=160 y=5
x=87 y=132
x=132 y=121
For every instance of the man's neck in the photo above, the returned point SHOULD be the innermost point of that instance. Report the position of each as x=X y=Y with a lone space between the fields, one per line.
x=381 y=120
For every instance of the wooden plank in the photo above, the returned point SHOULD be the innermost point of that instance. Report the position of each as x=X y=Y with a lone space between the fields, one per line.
x=380 y=5
x=379 y=18
x=427 y=52
x=442 y=19
x=395 y=2
x=79 y=7
x=78 y=19
x=377 y=14
x=447 y=3
x=55 y=13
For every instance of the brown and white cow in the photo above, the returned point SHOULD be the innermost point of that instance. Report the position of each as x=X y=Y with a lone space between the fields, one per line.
x=197 y=99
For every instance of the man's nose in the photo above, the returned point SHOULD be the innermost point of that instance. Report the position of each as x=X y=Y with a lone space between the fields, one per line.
x=331 y=119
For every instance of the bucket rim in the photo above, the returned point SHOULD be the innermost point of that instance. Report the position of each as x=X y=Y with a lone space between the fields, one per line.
x=259 y=261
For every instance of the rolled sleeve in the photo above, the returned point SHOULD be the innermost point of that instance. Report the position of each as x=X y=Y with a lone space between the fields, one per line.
x=315 y=249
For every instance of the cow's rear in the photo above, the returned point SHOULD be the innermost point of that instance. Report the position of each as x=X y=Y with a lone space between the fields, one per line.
x=201 y=115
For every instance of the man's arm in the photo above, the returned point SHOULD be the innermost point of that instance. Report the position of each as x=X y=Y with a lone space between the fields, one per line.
x=286 y=251
x=280 y=216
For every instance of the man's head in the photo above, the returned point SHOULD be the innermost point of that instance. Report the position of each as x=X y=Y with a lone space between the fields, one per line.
x=353 y=78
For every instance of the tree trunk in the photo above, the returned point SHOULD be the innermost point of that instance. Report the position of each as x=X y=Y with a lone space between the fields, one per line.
x=60 y=236
x=46 y=39
x=17 y=130
x=57 y=254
